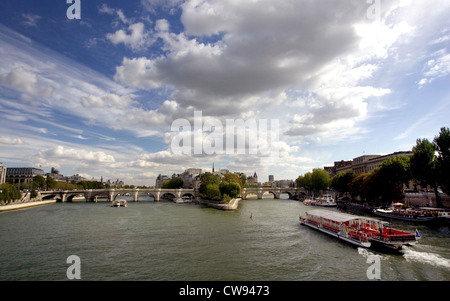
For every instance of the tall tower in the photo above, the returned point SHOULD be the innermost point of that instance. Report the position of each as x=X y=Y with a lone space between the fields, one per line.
x=213 y=167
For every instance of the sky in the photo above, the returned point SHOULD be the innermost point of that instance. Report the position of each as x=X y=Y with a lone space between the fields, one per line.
x=99 y=89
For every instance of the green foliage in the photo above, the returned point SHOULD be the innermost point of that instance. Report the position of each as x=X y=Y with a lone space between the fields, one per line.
x=305 y=181
x=341 y=181
x=212 y=192
x=206 y=179
x=442 y=146
x=232 y=189
x=213 y=188
x=39 y=182
x=174 y=183
x=423 y=162
x=320 y=180
x=9 y=192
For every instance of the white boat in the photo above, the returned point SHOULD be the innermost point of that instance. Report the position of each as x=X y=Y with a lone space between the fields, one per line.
x=357 y=230
x=119 y=203
x=325 y=201
x=409 y=214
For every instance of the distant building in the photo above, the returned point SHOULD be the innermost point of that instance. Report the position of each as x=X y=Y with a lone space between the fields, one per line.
x=160 y=180
x=190 y=177
x=271 y=178
x=252 y=180
x=19 y=175
x=75 y=178
x=337 y=165
x=2 y=174
x=366 y=163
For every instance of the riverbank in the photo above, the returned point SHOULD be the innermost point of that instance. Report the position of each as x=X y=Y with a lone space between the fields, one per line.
x=231 y=205
x=25 y=205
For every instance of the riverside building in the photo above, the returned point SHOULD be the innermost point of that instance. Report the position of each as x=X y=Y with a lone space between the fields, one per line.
x=363 y=164
x=2 y=174
x=19 y=175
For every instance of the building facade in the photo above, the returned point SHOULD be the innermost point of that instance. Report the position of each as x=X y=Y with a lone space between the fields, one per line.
x=2 y=174
x=19 y=175
x=367 y=163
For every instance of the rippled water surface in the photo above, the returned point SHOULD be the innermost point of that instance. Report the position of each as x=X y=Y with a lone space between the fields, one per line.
x=262 y=240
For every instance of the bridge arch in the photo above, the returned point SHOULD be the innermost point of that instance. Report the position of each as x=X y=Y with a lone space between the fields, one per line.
x=290 y=194
x=147 y=193
x=275 y=195
x=165 y=194
x=188 y=194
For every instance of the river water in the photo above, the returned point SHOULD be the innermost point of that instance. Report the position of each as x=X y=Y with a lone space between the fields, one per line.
x=262 y=240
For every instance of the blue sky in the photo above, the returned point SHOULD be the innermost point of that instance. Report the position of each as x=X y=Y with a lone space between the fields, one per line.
x=97 y=95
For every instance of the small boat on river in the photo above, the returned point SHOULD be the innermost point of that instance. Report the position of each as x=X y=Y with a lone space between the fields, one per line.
x=358 y=230
x=119 y=203
x=411 y=215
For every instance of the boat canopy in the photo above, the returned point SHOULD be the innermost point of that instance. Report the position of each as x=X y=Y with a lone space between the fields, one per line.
x=340 y=217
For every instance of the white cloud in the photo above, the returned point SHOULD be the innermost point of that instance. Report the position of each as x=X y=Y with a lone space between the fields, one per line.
x=27 y=81
x=61 y=155
x=107 y=101
x=11 y=141
x=137 y=38
x=436 y=67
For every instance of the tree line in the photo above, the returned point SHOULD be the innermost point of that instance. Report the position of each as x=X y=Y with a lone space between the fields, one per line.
x=429 y=165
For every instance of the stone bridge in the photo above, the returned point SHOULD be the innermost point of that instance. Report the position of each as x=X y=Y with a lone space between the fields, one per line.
x=111 y=194
x=275 y=191
x=157 y=194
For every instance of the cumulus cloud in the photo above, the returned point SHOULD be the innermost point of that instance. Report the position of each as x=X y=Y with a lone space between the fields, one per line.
x=234 y=57
x=64 y=155
x=27 y=81
x=137 y=38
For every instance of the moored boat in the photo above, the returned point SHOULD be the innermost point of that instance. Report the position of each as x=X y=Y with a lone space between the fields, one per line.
x=358 y=230
x=325 y=201
x=412 y=215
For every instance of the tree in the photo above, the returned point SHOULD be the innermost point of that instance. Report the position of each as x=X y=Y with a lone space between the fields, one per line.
x=38 y=182
x=51 y=183
x=341 y=181
x=206 y=179
x=9 y=192
x=442 y=146
x=320 y=179
x=231 y=177
x=392 y=175
x=357 y=186
x=305 y=181
x=232 y=189
x=174 y=183
x=423 y=163
x=212 y=192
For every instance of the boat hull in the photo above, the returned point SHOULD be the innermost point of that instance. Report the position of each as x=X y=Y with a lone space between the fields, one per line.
x=336 y=235
x=358 y=230
x=411 y=218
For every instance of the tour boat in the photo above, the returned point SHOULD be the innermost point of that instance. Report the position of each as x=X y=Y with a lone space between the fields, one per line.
x=409 y=214
x=358 y=230
x=325 y=201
